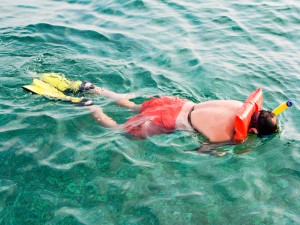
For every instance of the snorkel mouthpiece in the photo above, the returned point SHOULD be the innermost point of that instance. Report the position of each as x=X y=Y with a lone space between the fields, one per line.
x=282 y=107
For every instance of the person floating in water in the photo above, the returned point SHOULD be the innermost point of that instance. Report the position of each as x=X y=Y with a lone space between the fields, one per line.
x=217 y=120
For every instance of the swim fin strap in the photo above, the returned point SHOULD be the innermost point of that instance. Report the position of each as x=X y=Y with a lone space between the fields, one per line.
x=41 y=88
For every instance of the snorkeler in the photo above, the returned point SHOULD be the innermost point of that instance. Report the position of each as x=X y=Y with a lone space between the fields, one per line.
x=217 y=120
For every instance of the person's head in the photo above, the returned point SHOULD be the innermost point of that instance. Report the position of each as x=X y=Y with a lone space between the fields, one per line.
x=263 y=123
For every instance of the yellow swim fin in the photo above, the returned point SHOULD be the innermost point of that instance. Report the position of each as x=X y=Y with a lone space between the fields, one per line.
x=61 y=82
x=41 y=88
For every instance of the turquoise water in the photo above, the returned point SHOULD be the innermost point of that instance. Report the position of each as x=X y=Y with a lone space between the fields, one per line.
x=59 y=167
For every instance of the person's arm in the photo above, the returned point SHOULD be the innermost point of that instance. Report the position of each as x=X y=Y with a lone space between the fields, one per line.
x=211 y=148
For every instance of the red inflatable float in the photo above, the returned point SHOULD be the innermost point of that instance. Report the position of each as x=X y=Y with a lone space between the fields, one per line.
x=242 y=120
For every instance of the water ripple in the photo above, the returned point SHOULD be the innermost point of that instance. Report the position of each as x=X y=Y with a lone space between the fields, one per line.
x=59 y=167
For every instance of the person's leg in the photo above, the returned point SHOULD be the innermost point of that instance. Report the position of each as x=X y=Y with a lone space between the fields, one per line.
x=102 y=118
x=120 y=99
x=63 y=84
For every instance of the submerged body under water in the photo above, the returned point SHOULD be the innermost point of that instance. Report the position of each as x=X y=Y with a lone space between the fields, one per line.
x=59 y=167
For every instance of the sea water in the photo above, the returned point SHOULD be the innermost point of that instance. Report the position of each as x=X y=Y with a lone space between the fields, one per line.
x=57 y=166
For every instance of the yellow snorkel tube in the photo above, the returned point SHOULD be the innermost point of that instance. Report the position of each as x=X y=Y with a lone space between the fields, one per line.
x=282 y=107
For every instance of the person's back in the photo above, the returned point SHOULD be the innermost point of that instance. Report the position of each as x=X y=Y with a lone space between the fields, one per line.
x=215 y=119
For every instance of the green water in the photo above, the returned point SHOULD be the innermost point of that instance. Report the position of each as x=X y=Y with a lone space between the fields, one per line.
x=57 y=166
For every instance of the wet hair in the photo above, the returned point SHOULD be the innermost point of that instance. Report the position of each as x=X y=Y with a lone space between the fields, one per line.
x=265 y=123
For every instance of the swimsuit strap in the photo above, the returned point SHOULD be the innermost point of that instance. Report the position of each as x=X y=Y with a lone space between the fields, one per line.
x=189 y=118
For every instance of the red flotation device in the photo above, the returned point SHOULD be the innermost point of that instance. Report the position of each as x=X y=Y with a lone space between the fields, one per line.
x=242 y=120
